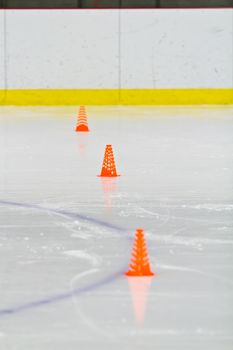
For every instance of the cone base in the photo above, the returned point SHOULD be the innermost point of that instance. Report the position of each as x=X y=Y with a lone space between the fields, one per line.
x=82 y=128
x=136 y=274
x=108 y=175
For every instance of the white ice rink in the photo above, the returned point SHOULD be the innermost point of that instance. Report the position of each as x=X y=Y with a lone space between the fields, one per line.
x=66 y=235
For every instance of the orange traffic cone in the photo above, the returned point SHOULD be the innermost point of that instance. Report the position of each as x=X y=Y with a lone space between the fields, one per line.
x=108 y=167
x=82 y=125
x=140 y=264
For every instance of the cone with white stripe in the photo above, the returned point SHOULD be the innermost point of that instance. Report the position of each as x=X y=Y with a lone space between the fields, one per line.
x=82 y=125
x=108 y=167
x=140 y=262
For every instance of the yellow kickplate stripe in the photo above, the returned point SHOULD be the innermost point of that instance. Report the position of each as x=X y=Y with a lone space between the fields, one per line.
x=115 y=96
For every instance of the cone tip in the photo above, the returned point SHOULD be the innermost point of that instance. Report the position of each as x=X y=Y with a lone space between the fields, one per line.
x=139 y=229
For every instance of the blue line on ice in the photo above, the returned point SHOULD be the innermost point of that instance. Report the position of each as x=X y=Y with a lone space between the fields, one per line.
x=66 y=295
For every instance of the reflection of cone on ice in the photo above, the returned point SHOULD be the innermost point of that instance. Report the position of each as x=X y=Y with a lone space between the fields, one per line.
x=82 y=141
x=82 y=125
x=108 y=167
x=109 y=186
x=140 y=264
x=139 y=287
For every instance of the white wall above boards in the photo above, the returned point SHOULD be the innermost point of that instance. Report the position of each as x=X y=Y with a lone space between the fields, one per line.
x=108 y=49
x=2 y=54
x=176 y=48
x=63 y=49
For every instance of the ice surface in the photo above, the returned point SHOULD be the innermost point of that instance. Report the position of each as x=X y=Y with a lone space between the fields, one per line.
x=66 y=235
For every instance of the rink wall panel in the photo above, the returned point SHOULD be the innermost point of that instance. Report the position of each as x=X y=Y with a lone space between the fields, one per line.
x=177 y=49
x=2 y=56
x=116 y=56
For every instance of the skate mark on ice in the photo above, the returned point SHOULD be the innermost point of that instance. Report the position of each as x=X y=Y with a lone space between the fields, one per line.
x=11 y=310
x=86 y=320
